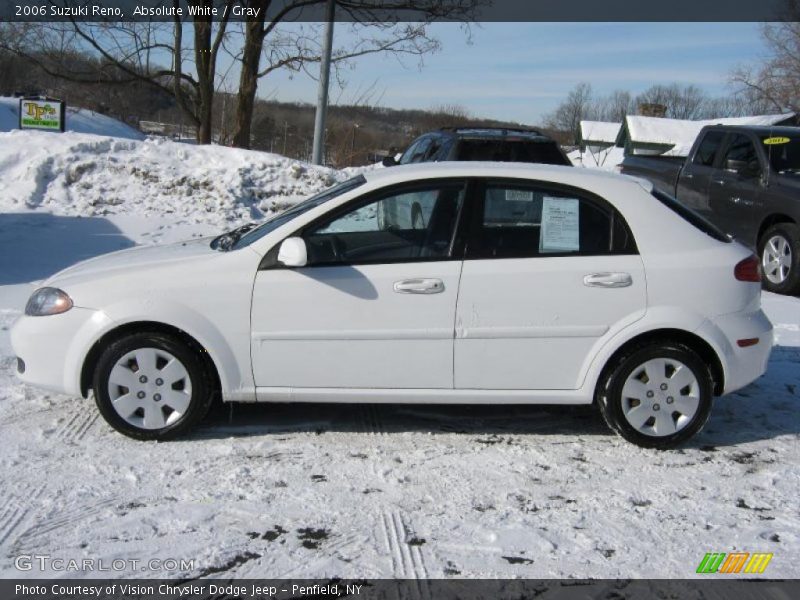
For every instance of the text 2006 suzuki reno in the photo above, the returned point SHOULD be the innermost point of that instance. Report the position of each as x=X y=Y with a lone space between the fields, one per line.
x=442 y=283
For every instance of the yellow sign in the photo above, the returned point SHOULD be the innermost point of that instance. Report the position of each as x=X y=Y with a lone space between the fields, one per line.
x=776 y=140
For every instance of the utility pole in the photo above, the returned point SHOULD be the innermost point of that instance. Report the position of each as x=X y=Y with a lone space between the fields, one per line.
x=324 y=77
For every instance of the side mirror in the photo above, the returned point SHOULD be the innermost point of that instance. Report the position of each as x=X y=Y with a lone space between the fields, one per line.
x=292 y=252
x=747 y=169
x=388 y=161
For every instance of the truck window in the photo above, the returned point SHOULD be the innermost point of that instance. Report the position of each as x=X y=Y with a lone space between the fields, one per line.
x=783 y=153
x=708 y=148
x=691 y=216
x=740 y=148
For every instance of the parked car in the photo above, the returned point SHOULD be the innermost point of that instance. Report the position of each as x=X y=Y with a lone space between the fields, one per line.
x=482 y=144
x=467 y=144
x=746 y=180
x=527 y=284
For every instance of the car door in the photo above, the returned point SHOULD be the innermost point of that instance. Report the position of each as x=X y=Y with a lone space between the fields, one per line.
x=736 y=195
x=375 y=305
x=549 y=272
x=695 y=177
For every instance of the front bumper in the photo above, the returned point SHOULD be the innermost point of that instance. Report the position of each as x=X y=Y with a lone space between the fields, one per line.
x=53 y=348
x=741 y=366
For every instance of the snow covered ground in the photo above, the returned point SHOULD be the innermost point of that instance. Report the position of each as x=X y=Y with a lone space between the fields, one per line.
x=346 y=490
x=79 y=120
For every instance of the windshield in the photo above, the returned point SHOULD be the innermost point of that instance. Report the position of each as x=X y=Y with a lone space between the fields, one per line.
x=276 y=221
x=783 y=153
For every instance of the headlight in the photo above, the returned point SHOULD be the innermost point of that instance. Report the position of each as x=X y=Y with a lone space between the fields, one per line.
x=48 y=301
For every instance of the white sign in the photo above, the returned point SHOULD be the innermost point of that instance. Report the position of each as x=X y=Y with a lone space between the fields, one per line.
x=560 y=230
x=519 y=196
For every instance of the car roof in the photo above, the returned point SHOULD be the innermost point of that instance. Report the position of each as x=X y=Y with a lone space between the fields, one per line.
x=567 y=175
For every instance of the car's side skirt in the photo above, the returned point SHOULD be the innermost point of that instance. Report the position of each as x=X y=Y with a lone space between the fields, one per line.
x=422 y=396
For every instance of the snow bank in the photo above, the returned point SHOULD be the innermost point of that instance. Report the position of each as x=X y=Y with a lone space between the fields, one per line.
x=79 y=120
x=78 y=174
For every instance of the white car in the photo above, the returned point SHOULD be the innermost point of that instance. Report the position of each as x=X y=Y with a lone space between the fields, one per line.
x=519 y=283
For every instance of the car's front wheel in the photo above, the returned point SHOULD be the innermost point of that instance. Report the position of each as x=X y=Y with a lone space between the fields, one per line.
x=779 y=249
x=150 y=386
x=658 y=395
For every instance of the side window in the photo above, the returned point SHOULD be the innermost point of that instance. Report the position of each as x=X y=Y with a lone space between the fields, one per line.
x=407 y=225
x=519 y=221
x=741 y=149
x=708 y=148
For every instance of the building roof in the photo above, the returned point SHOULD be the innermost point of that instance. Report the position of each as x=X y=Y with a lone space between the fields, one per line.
x=599 y=131
x=679 y=134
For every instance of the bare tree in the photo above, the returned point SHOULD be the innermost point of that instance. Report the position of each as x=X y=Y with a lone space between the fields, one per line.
x=124 y=52
x=575 y=108
x=681 y=102
x=775 y=83
x=268 y=47
x=613 y=108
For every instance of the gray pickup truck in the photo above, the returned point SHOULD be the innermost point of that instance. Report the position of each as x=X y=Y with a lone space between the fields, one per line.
x=746 y=181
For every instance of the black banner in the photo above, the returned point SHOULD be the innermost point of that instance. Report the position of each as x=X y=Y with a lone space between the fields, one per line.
x=396 y=10
x=385 y=589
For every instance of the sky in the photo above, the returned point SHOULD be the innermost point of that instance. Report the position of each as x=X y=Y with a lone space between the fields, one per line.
x=520 y=71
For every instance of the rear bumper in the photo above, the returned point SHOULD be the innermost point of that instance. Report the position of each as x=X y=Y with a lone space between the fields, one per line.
x=741 y=366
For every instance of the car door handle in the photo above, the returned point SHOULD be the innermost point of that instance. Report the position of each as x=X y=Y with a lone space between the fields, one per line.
x=608 y=280
x=718 y=181
x=419 y=286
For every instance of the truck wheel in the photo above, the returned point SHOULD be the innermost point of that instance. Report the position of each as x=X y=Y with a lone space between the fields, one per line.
x=779 y=249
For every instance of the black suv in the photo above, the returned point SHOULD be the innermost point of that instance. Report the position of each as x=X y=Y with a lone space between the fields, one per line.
x=482 y=143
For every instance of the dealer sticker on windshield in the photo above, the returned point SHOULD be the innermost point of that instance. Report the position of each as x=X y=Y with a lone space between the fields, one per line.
x=771 y=141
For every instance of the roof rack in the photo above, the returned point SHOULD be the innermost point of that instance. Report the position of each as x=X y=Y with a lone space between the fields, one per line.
x=504 y=130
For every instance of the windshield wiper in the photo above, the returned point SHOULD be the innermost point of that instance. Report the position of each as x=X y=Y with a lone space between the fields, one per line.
x=226 y=241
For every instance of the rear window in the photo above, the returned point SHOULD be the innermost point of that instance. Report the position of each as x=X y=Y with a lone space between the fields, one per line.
x=691 y=216
x=510 y=151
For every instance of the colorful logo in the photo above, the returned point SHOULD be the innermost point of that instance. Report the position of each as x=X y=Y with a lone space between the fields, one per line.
x=735 y=562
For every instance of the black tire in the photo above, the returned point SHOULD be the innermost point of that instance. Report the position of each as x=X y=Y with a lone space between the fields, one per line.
x=791 y=233
x=610 y=397
x=200 y=380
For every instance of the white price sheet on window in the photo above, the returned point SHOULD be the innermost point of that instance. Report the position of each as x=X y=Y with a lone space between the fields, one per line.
x=560 y=230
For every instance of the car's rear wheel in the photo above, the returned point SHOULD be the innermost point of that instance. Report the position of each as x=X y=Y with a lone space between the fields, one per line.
x=150 y=386
x=779 y=249
x=658 y=395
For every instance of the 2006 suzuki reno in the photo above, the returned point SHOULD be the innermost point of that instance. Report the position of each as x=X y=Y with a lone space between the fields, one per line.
x=469 y=283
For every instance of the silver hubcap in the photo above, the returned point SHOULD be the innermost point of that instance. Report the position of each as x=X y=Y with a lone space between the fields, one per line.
x=149 y=388
x=776 y=261
x=660 y=397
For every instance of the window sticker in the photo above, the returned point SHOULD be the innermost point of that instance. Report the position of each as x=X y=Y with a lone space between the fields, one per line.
x=519 y=196
x=560 y=225
x=772 y=141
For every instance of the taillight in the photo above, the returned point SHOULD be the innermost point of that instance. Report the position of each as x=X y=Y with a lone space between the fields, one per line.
x=748 y=270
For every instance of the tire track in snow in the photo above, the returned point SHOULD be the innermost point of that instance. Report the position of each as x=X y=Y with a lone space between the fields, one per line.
x=41 y=532
x=408 y=561
x=78 y=425
x=16 y=512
